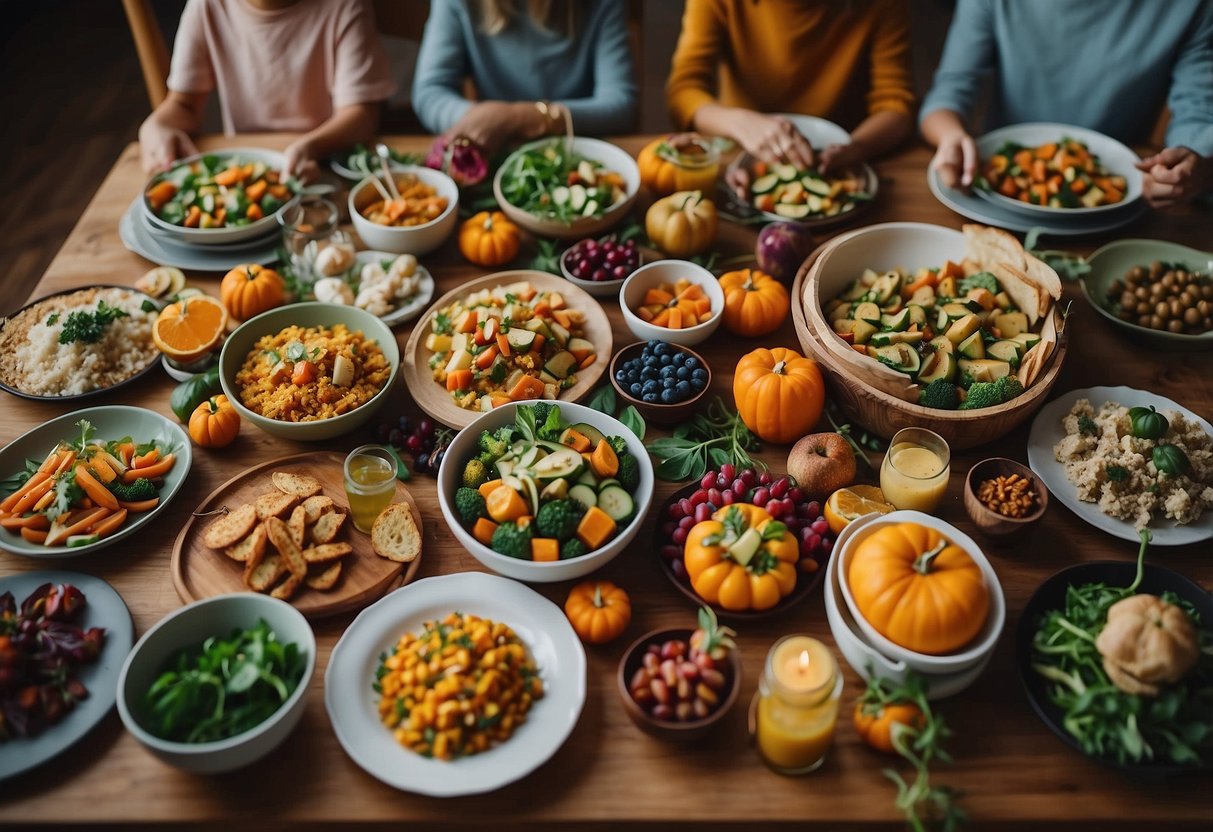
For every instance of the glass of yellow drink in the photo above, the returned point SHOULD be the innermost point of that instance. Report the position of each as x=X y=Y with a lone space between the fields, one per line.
x=370 y=483
x=914 y=474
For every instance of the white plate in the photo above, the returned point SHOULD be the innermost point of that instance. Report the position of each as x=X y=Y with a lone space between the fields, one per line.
x=137 y=237
x=549 y=637
x=103 y=608
x=415 y=305
x=1114 y=156
x=110 y=422
x=1047 y=431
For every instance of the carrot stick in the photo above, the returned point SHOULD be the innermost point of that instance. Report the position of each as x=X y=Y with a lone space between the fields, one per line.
x=37 y=522
x=50 y=462
x=94 y=489
x=102 y=469
x=33 y=536
x=32 y=496
x=33 y=482
x=146 y=459
x=46 y=500
x=77 y=525
x=109 y=525
x=151 y=472
x=140 y=506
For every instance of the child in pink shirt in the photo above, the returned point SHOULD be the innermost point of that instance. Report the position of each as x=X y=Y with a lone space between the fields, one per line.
x=314 y=67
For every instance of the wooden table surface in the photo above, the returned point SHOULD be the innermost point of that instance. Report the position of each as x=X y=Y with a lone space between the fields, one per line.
x=1014 y=773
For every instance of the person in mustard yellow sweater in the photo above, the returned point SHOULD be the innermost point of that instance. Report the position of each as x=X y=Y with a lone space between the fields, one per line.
x=738 y=61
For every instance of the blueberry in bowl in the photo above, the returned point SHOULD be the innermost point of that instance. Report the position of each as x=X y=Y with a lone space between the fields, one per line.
x=663 y=381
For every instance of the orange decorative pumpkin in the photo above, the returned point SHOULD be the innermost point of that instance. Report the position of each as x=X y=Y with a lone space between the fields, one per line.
x=918 y=589
x=251 y=289
x=874 y=722
x=754 y=302
x=779 y=393
x=489 y=239
x=214 y=423
x=598 y=610
x=739 y=560
x=679 y=162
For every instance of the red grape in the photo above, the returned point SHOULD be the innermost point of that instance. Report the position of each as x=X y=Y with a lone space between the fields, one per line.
x=714 y=496
x=671 y=551
x=699 y=497
x=703 y=512
x=709 y=480
x=765 y=478
x=728 y=471
x=687 y=506
x=680 y=536
x=779 y=488
x=686 y=522
x=727 y=497
x=760 y=496
x=820 y=525
x=796 y=494
x=826 y=545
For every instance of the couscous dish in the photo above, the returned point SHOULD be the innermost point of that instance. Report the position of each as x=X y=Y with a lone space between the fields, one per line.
x=308 y=374
x=1135 y=469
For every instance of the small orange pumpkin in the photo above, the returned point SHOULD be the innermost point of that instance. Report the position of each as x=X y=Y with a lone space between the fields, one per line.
x=598 y=610
x=250 y=289
x=874 y=721
x=754 y=302
x=214 y=423
x=779 y=393
x=661 y=172
x=489 y=239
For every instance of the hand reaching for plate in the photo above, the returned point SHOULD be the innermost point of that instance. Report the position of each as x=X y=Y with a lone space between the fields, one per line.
x=1175 y=175
x=956 y=160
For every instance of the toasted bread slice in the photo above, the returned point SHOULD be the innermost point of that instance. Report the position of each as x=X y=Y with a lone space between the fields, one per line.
x=274 y=504
x=316 y=506
x=326 y=552
x=265 y=574
x=991 y=246
x=231 y=528
x=291 y=552
x=1024 y=291
x=286 y=590
x=395 y=535
x=1046 y=278
x=324 y=578
x=297 y=485
x=251 y=548
x=327 y=526
x=297 y=525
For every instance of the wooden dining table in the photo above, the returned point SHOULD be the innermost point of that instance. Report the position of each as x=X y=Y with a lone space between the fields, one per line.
x=1011 y=771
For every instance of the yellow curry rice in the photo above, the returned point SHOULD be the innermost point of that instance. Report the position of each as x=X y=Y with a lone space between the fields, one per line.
x=289 y=376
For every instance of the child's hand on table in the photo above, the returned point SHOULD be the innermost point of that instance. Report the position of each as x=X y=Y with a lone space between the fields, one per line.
x=301 y=162
x=160 y=145
x=1175 y=175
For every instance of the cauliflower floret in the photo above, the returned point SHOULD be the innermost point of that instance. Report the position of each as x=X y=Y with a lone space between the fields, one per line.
x=377 y=299
x=371 y=274
x=404 y=265
x=408 y=286
x=333 y=290
x=334 y=259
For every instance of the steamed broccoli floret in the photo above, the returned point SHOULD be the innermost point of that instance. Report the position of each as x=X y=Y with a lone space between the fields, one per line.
x=475 y=474
x=966 y=380
x=559 y=518
x=982 y=394
x=1008 y=388
x=572 y=548
x=505 y=433
x=940 y=394
x=552 y=425
x=493 y=445
x=512 y=540
x=135 y=492
x=541 y=411
x=981 y=280
x=470 y=505
x=629 y=472
x=618 y=444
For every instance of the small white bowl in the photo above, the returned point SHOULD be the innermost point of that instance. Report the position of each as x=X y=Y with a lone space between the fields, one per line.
x=865 y=659
x=412 y=239
x=597 y=288
x=982 y=646
x=648 y=277
x=462 y=448
x=189 y=627
x=228 y=234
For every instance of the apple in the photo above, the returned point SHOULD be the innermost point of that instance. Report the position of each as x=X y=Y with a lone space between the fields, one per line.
x=822 y=463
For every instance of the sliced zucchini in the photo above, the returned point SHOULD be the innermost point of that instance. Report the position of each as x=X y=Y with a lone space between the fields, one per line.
x=584 y=495
x=901 y=357
x=561 y=364
x=973 y=346
x=815 y=185
x=1008 y=350
x=1028 y=339
x=616 y=502
x=765 y=184
x=886 y=286
x=793 y=212
x=938 y=365
x=869 y=312
x=786 y=173
x=589 y=432
x=562 y=463
x=897 y=323
x=985 y=369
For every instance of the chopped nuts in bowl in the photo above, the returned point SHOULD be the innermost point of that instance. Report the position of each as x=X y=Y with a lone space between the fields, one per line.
x=1003 y=497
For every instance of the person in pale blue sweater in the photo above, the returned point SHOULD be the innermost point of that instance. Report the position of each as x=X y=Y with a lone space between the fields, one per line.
x=527 y=60
x=1107 y=65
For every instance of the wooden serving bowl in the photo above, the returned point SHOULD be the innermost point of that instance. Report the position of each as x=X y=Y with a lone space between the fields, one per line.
x=664 y=729
x=658 y=413
x=986 y=518
x=853 y=385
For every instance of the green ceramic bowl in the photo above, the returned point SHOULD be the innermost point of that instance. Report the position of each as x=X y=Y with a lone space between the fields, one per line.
x=240 y=342
x=1114 y=260
x=109 y=422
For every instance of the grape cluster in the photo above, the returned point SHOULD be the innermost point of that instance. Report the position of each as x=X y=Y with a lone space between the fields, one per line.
x=421 y=441
x=600 y=260
x=677 y=683
x=662 y=373
x=779 y=496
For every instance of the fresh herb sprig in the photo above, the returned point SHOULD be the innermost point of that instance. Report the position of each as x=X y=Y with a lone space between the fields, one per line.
x=1069 y=267
x=605 y=401
x=1175 y=727
x=711 y=438
x=89 y=327
x=861 y=444
x=225 y=688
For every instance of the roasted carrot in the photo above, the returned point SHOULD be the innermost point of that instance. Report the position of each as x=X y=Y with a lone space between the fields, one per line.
x=109 y=525
x=146 y=459
x=140 y=506
x=158 y=469
x=34 y=536
x=255 y=191
x=102 y=469
x=486 y=358
x=229 y=177
x=101 y=495
x=459 y=380
x=254 y=212
x=10 y=502
x=76 y=525
x=32 y=496
x=46 y=500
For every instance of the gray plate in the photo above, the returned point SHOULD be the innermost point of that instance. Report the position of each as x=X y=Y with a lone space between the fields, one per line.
x=137 y=237
x=105 y=608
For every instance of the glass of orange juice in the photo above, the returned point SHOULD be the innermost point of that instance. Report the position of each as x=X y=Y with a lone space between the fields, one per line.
x=370 y=483
x=914 y=474
x=697 y=161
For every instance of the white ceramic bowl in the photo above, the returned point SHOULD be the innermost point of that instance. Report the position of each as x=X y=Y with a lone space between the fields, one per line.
x=413 y=239
x=611 y=157
x=227 y=235
x=648 y=277
x=597 y=288
x=865 y=659
x=190 y=626
x=982 y=646
x=237 y=346
x=462 y=448
x=1115 y=157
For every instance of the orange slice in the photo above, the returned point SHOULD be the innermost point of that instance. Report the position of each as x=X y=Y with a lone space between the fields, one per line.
x=853 y=502
x=188 y=329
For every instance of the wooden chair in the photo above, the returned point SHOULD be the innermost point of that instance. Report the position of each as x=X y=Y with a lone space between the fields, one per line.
x=151 y=48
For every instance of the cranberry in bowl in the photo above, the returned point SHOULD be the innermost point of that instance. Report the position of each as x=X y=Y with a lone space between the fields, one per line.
x=600 y=265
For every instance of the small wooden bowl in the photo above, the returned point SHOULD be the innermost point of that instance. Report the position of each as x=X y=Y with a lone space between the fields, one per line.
x=658 y=413
x=989 y=521
x=660 y=728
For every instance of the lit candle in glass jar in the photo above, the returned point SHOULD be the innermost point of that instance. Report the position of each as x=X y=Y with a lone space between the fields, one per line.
x=797 y=704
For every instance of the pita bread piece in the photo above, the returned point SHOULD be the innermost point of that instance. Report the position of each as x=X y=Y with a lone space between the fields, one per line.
x=251 y=548
x=324 y=578
x=231 y=528
x=274 y=504
x=297 y=485
x=1023 y=291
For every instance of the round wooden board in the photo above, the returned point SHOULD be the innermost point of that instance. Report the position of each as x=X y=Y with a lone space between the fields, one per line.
x=434 y=399
x=201 y=572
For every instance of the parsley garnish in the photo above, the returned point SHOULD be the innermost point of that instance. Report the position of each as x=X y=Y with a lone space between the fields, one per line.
x=1117 y=473
x=89 y=327
x=442 y=324
x=1087 y=426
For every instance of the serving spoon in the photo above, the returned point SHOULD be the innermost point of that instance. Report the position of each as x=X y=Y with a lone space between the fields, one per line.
x=385 y=156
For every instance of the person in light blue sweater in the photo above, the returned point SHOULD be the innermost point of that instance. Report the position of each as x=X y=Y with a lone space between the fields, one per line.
x=527 y=59
x=1108 y=65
